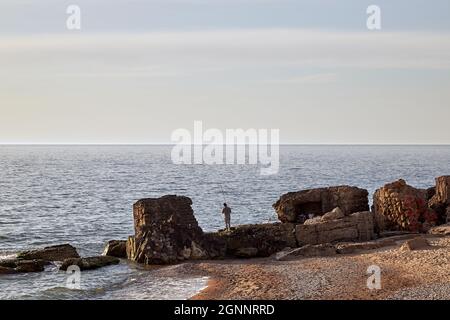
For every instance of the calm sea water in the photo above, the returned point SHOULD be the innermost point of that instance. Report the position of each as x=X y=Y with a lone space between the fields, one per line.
x=83 y=195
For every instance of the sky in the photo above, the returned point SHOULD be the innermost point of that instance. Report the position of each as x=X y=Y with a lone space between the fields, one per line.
x=138 y=70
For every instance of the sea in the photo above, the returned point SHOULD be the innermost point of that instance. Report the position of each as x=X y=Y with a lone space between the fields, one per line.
x=83 y=195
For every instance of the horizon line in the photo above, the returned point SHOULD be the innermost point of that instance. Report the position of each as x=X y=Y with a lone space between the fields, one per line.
x=222 y=144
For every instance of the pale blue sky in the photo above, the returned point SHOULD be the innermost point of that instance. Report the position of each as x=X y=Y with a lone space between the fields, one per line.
x=140 y=69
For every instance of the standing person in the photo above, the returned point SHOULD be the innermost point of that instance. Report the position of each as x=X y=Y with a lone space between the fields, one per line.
x=226 y=211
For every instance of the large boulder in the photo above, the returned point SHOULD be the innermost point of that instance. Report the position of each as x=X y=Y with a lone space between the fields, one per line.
x=398 y=206
x=116 y=248
x=297 y=206
x=52 y=253
x=166 y=232
x=258 y=240
x=358 y=226
x=89 y=263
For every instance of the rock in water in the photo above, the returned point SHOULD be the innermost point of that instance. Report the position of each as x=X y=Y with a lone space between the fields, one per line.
x=52 y=253
x=116 y=248
x=398 y=206
x=31 y=265
x=295 y=206
x=6 y=270
x=166 y=232
x=8 y=263
x=18 y=265
x=89 y=263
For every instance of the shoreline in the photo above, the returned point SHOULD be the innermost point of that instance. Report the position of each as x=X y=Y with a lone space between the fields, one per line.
x=418 y=274
x=212 y=287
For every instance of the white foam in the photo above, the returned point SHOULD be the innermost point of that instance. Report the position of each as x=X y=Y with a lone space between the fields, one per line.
x=7 y=256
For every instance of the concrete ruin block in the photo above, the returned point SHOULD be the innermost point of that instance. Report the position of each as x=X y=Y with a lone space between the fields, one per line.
x=296 y=206
x=358 y=226
x=166 y=232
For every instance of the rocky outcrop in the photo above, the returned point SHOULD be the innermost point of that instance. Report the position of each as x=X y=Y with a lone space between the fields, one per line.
x=297 y=206
x=89 y=263
x=116 y=248
x=398 y=206
x=52 y=253
x=257 y=240
x=355 y=227
x=166 y=232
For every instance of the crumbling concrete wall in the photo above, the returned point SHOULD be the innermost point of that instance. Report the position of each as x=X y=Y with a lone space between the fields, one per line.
x=358 y=226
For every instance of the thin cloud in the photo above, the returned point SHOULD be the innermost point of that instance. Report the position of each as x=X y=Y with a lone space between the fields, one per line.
x=243 y=48
x=311 y=79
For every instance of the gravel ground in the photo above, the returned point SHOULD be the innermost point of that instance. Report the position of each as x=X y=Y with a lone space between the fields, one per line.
x=435 y=291
x=421 y=274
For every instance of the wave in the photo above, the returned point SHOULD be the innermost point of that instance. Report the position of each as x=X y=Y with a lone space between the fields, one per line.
x=7 y=256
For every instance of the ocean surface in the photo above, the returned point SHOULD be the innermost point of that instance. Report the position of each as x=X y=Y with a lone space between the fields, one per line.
x=83 y=195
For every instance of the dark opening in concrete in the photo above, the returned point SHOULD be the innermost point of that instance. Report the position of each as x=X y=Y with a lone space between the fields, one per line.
x=307 y=208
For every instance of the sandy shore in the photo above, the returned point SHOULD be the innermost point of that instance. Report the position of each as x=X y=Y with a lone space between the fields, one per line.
x=421 y=274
